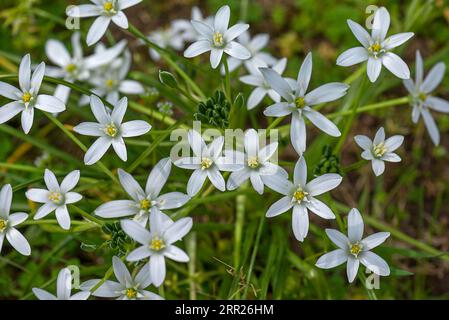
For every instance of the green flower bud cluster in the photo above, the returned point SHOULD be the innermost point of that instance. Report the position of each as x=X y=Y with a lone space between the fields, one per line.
x=215 y=111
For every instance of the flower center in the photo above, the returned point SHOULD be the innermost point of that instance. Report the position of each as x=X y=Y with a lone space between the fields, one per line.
x=299 y=195
x=27 y=97
x=422 y=96
x=157 y=244
x=111 y=130
x=55 y=197
x=253 y=163
x=145 y=204
x=218 y=39
x=300 y=102
x=108 y=6
x=376 y=49
x=109 y=83
x=379 y=150
x=355 y=249
x=131 y=293
x=3 y=224
x=205 y=163
x=70 y=68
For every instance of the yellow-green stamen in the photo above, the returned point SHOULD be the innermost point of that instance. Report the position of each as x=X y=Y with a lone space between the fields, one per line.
x=109 y=83
x=145 y=204
x=218 y=39
x=300 y=102
x=379 y=150
x=70 y=68
x=108 y=6
x=253 y=163
x=111 y=130
x=422 y=96
x=3 y=224
x=375 y=49
x=157 y=244
x=26 y=97
x=55 y=197
x=299 y=195
x=131 y=293
x=205 y=163
x=355 y=249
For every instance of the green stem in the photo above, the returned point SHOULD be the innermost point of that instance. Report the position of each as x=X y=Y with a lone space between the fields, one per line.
x=87 y=215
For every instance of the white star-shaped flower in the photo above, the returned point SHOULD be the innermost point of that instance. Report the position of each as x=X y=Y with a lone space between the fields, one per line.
x=185 y=27
x=56 y=197
x=127 y=287
x=256 y=79
x=355 y=250
x=9 y=222
x=298 y=103
x=76 y=67
x=63 y=289
x=379 y=150
x=255 y=163
x=376 y=48
x=110 y=130
x=300 y=195
x=144 y=202
x=207 y=162
x=218 y=39
x=105 y=11
x=421 y=98
x=157 y=244
x=27 y=97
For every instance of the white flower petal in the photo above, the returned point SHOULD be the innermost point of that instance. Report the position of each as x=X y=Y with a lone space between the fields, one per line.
x=157 y=269
x=375 y=263
x=235 y=31
x=237 y=178
x=196 y=182
x=109 y=289
x=237 y=51
x=120 y=148
x=10 y=92
x=431 y=126
x=373 y=68
x=352 y=268
x=322 y=123
x=305 y=72
x=323 y=183
x=72 y=197
x=434 y=78
x=216 y=179
x=18 y=241
x=158 y=177
x=70 y=181
x=124 y=4
x=437 y=104
x=97 y=150
x=378 y=166
x=394 y=142
x=120 y=20
x=130 y=185
x=256 y=97
x=63 y=217
x=49 y=103
x=396 y=65
x=93 y=129
x=172 y=200
x=300 y=222
x=360 y=33
x=83 y=11
x=391 y=157
x=380 y=136
x=36 y=79
x=9 y=110
x=117 y=209
x=5 y=200
x=121 y=272
x=319 y=208
x=221 y=20
x=326 y=93
x=27 y=119
x=279 y=207
x=419 y=70
x=97 y=30
x=131 y=87
x=332 y=259
x=257 y=182
x=280 y=109
x=363 y=142
x=215 y=57
x=278 y=183
x=119 y=110
x=298 y=135
x=135 y=128
x=338 y=238
x=136 y=231
x=44 y=210
x=17 y=218
x=176 y=254
x=139 y=253
x=381 y=24
x=277 y=83
x=43 y=295
x=25 y=73
x=352 y=56
x=396 y=40
x=355 y=226
x=50 y=180
x=374 y=240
